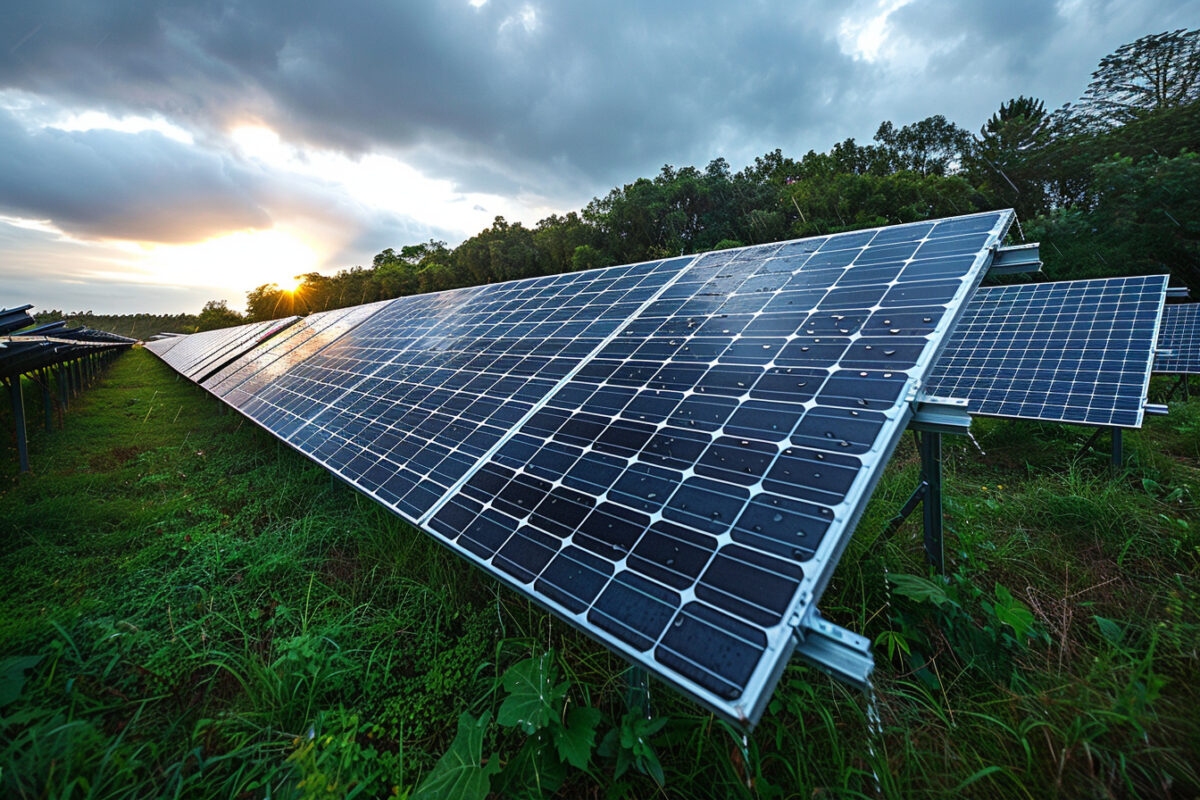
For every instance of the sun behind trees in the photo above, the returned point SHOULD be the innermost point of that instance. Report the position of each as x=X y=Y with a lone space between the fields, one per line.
x=1119 y=166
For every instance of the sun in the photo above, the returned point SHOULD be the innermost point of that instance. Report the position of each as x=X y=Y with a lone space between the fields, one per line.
x=239 y=261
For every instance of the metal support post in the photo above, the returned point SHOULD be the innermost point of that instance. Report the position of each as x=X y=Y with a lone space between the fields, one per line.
x=909 y=506
x=60 y=379
x=1117 y=455
x=18 y=404
x=47 y=404
x=931 y=504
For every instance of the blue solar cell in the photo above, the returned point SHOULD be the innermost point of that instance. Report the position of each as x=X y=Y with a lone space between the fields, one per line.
x=1179 y=340
x=1073 y=351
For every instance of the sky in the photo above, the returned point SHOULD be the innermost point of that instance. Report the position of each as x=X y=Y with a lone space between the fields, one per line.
x=155 y=156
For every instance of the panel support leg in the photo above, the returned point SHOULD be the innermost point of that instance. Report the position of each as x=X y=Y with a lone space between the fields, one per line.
x=1117 y=454
x=1088 y=444
x=931 y=469
x=47 y=403
x=60 y=378
x=18 y=404
x=906 y=510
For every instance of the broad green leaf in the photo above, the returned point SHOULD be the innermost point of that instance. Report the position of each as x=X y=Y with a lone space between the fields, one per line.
x=459 y=774
x=1012 y=612
x=1110 y=630
x=533 y=699
x=12 y=676
x=576 y=739
x=920 y=589
x=534 y=773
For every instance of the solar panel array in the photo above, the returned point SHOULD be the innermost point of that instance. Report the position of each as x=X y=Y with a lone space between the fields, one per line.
x=272 y=357
x=200 y=354
x=670 y=455
x=1179 y=340
x=1073 y=351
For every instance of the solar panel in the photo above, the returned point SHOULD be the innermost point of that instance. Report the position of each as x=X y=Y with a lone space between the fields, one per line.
x=403 y=405
x=685 y=496
x=270 y=359
x=204 y=352
x=669 y=455
x=1179 y=340
x=1073 y=351
x=160 y=346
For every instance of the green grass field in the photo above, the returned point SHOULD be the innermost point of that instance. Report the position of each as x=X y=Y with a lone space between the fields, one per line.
x=192 y=610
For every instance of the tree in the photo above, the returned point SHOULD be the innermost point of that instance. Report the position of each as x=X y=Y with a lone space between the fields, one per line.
x=933 y=146
x=217 y=314
x=1007 y=162
x=1156 y=72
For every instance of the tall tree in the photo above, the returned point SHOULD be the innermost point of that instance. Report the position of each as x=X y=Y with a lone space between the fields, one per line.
x=1007 y=162
x=217 y=314
x=932 y=146
x=1156 y=72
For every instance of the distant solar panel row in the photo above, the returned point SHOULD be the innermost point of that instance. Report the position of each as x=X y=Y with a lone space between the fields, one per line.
x=1074 y=351
x=1179 y=340
x=670 y=455
x=201 y=354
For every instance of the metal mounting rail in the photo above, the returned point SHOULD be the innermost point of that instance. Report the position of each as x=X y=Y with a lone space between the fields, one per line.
x=842 y=653
x=1015 y=260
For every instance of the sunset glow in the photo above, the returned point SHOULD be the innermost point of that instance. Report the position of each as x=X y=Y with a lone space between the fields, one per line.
x=243 y=259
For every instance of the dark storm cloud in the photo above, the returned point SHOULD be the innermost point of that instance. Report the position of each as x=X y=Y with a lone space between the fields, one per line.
x=563 y=92
x=558 y=101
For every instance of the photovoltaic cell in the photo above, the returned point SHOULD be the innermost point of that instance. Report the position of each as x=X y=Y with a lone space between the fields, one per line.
x=1073 y=351
x=202 y=353
x=1179 y=340
x=160 y=346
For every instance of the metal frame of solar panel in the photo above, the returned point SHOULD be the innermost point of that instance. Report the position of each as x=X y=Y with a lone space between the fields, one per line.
x=1077 y=352
x=1179 y=340
x=668 y=455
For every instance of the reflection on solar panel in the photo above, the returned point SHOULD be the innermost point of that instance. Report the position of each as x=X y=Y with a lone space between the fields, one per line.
x=272 y=358
x=1179 y=340
x=669 y=455
x=408 y=401
x=201 y=353
x=1074 y=351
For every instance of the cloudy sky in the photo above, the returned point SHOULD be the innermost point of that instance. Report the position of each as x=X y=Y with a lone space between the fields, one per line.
x=157 y=155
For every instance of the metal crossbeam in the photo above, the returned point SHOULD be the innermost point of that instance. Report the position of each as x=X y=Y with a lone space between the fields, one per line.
x=1016 y=260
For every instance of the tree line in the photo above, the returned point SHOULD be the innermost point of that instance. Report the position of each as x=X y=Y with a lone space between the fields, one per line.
x=1109 y=184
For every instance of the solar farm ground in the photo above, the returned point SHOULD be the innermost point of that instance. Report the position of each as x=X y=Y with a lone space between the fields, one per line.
x=193 y=610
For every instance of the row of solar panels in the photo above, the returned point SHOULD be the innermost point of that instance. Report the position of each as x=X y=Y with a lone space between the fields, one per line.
x=52 y=352
x=26 y=347
x=671 y=455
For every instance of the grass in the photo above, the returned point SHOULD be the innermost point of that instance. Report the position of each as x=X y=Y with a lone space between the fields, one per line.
x=191 y=610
